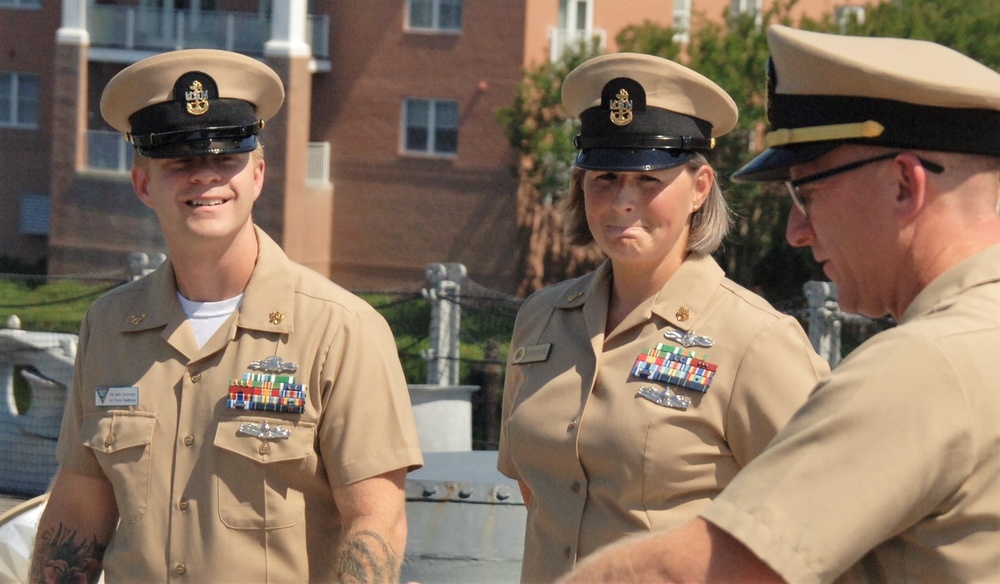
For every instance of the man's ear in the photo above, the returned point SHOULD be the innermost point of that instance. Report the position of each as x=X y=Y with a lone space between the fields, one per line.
x=911 y=182
x=140 y=183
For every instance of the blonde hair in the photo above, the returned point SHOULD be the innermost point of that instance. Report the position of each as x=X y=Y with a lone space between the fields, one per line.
x=709 y=224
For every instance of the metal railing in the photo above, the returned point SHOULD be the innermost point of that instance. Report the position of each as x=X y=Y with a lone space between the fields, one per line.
x=151 y=29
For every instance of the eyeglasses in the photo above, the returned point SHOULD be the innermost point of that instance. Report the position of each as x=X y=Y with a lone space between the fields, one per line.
x=793 y=185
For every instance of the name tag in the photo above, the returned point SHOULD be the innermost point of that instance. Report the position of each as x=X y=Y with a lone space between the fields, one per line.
x=107 y=397
x=532 y=353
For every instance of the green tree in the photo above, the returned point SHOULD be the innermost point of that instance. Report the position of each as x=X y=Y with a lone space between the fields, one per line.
x=541 y=132
x=968 y=26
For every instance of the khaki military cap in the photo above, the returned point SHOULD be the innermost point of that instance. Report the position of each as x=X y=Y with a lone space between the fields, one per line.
x=640 y=112
x=192 y=103
x=826 y=90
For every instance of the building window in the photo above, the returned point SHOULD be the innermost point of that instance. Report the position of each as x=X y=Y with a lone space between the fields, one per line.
x=431 y=126
x=751 y=7
x=34 y=214
x=441 y=15
x=18 y=100
x=847 y=15
x=20 y=3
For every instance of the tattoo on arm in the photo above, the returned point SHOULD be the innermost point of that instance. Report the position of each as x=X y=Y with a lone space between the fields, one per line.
x=364 y=557
x=60 y=558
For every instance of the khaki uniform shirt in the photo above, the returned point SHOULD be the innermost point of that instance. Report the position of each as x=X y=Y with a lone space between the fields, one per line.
x=600 y=460
x=203 y=498
x=891 y=471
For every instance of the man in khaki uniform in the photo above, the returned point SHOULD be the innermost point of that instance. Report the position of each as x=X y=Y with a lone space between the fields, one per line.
x=234 y=416
x=889 y=473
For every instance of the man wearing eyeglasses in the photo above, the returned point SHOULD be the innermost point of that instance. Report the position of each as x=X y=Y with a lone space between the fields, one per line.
x=890 y=150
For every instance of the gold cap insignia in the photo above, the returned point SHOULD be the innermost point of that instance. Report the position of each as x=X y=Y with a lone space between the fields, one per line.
x=275 y=317
x=197 y=99
x=621 y=109
x=137 y=318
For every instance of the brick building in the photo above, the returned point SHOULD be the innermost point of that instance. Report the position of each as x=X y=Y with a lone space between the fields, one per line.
x=385 y=157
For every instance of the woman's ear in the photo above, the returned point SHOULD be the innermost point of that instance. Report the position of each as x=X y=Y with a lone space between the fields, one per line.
x=704 y=178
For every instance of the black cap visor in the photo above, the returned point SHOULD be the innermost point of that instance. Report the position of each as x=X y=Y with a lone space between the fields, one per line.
x=772 y=164
x=189 y=143
x=631 y=159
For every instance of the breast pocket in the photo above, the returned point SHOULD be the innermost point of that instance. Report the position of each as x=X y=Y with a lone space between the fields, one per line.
x=121 y=443
x=259 y=478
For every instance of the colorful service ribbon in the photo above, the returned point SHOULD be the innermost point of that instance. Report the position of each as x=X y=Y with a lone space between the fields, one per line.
x=267 y=392
x=675 y=366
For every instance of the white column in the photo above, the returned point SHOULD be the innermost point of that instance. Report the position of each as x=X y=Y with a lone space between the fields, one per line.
x=74 y=23
x=288 y=30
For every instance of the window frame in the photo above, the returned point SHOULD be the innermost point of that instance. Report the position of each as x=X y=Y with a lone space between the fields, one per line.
x=21 y=4
x=17 y=103
x=432 y=128
x=435 y=25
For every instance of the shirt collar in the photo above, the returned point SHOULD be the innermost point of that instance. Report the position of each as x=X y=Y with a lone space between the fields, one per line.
x=981 y=268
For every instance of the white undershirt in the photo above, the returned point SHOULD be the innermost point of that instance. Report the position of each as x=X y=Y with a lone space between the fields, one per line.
x=207 y=317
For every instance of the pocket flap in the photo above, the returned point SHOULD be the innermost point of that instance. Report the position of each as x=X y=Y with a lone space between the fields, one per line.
x=113 y=431
x=297 y=444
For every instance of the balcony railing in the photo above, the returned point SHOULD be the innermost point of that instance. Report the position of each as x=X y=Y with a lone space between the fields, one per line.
x=151 y=29
x=563 y=39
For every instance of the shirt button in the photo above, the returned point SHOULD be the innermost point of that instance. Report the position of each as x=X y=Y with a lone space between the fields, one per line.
x=568 y=552
x=183 y=504
x=264 y=448
x=196 y=378
x=109 y=439
x=188 y=440
x=572 y=424
x=576 y=487
x=180 y=568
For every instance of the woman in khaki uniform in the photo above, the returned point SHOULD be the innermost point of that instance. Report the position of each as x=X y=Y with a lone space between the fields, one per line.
x=635 y=393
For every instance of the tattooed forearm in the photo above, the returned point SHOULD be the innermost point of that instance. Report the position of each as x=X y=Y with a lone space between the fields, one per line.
x=59 y=558
x=364 y=557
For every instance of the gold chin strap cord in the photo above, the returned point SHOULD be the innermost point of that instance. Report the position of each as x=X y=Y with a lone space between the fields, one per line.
x=786 y=136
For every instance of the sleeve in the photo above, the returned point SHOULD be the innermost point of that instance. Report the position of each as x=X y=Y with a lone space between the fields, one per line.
x=367 y=427
x=71 y=451
x=878 y=446
x=513 y=379
x=776 y=374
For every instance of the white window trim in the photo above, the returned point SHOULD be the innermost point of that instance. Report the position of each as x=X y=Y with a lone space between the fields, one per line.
x=430 y=152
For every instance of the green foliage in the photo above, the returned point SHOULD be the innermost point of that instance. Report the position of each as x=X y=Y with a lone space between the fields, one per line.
x=57 y=306
x=968 y=26
x=537 y=125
